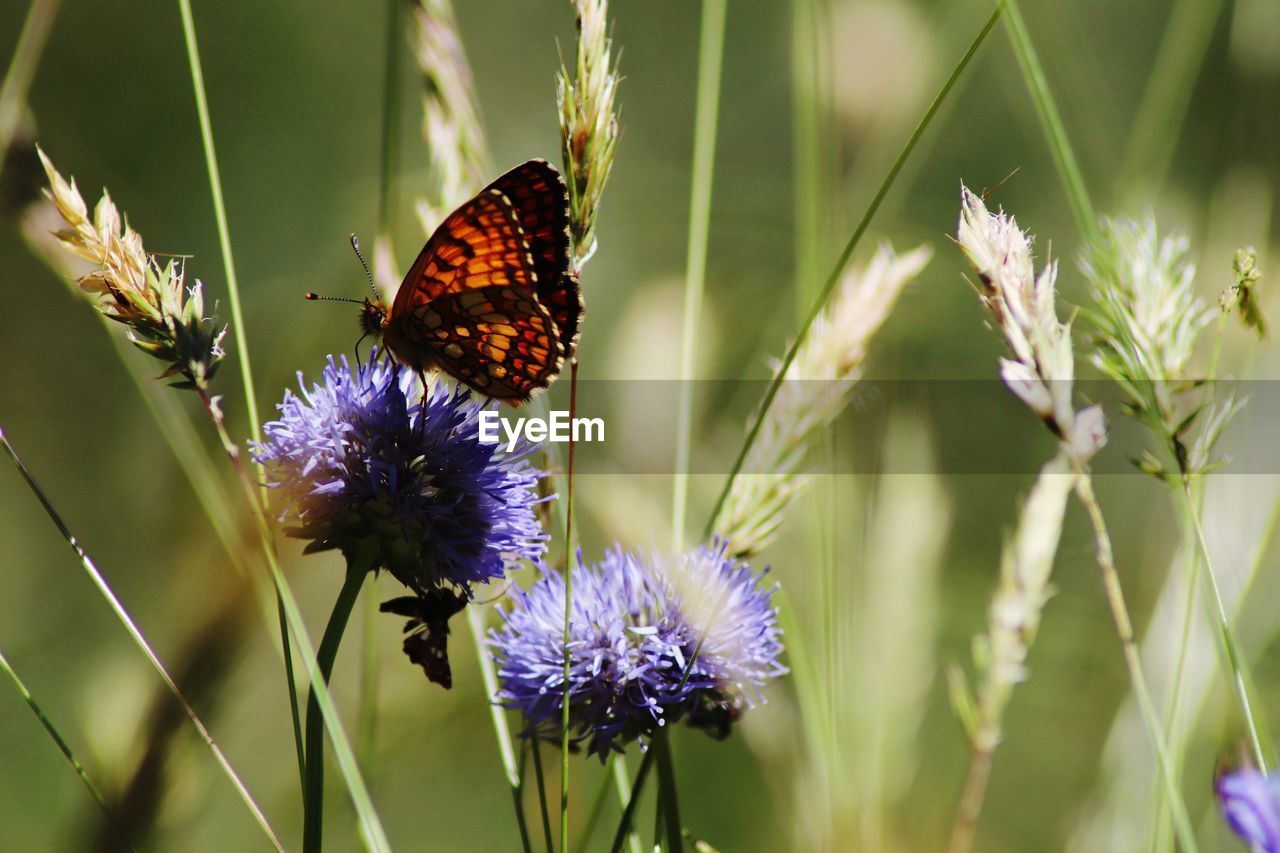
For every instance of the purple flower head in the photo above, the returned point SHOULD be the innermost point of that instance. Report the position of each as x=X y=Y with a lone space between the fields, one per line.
x=1250 y=803
x=651 y=640
x=367 y=460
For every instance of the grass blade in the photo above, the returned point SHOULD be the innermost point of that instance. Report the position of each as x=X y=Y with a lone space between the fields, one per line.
x=139 y=639
x=1064 y=158
x=834 y=278
x=710 y=63
x=58 y=740
x=291 y=621
x=22 y=69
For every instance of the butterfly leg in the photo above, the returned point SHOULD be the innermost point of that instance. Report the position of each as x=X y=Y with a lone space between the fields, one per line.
x=422 y=384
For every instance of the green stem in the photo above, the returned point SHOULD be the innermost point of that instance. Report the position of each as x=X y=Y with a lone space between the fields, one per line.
x=64 y=749
x=597 y=806
x=313 y=800
x=390 y=118
x=570 y=558
x=1132 y=657
x=370 y=826
x=1051 y=123
x=1189 y=548
x=22 y=69
x=667 y=788
x=834 y=278
x=237 y=319
x=622 y=785
x=710 y=63
x=628 y=813
x=139 y=639
x=1224 y=628
x=542 y=793
x=1163 y=109
x=517 y=796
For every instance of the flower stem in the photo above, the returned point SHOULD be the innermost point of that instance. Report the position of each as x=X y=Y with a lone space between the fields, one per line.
x=569 y=559
x=667 y=788
x=141 y=641
x=370 y=826
x=542 y=794
x=710 y=62
x=517 y=796
x=1132 y=657
x=624 y=823
x=622 y=785
x=834 y=278
x=313 y=800
x=1224 y=628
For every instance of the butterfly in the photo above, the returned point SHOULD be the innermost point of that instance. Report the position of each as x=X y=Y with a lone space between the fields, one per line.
x=492 y=298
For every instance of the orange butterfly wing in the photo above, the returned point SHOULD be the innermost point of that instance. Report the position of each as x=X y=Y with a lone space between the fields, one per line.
x=490 y=298
x=478 y=245
x=538 y=193
x=498 y=340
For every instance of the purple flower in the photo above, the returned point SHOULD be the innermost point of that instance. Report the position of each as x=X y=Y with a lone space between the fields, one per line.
x=370 y=462
x=1250 y=804
x=652 y=640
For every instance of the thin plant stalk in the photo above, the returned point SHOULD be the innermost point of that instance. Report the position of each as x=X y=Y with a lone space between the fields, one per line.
x=1162 y=111
x=622 y=785
x=517 y=795
x=1189 y=548
x=834 y=278
x=628 y=813
x=388 y=150
x=1051 y=122
x=370 y=826
x=670 y=808
x=313 y=826
x=971 y=798
x=597 y=805
x=237 y=319
x=1087 y=219
x=291 y=617
x=806 y=148
x=1132 y=657
x=1224 y=627
x=710 y=64
x=22 y=69
x=475 y=620
x=141 y=641
x=542 y=795
x=1069 y=172
x=58 y=740
x=569 y=560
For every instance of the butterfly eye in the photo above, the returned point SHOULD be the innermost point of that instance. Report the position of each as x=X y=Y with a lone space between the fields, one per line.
x=371 y=318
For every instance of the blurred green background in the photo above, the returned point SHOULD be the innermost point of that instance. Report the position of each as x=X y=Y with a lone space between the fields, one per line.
x=1172 y=109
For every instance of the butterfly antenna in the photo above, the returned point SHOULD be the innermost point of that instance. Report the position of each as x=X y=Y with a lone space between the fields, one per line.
x=317 y=297
x=355 y=245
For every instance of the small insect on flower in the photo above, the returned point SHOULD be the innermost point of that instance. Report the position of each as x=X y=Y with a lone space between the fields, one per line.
x=1250 y=803
x=371 y=462
x=426 y=640
x=652 y=640
x=492 y=299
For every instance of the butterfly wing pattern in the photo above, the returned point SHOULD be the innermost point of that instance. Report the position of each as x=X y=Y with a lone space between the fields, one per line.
x=491 y=298
x=541 y=200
